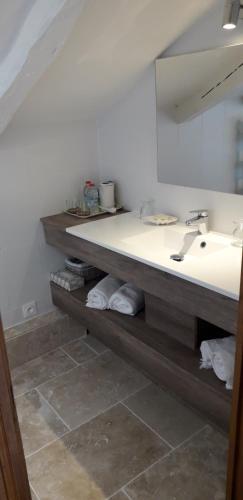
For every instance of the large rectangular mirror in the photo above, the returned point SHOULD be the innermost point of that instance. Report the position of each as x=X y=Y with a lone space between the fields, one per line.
x=200 y=119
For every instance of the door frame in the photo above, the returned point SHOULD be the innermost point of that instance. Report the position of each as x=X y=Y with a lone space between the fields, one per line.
x=235 y=458
x=14 y=484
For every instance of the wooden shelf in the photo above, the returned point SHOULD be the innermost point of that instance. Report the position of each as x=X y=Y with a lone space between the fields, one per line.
x=165 y=360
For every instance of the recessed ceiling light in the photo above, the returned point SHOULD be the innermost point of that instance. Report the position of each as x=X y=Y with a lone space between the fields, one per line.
x=231 y=14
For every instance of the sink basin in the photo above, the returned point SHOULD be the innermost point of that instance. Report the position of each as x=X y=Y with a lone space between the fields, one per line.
x=177 y=239
x=204 y=245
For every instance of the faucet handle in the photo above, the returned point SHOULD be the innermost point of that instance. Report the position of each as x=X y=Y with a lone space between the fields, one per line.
x=200 y=212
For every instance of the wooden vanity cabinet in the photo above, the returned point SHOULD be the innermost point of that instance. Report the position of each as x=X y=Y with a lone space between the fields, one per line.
x=163 y=340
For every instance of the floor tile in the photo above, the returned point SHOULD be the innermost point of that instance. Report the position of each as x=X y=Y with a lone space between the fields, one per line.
x=79 y=351
x=42 y=340
x=39 y=425
x=40 y=370
x=197 y=471
x=92 y=387
x=95 y=344
x=166 y=415
x=95 y=459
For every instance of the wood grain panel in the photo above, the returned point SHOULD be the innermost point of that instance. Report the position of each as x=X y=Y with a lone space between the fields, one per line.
x=170 y=320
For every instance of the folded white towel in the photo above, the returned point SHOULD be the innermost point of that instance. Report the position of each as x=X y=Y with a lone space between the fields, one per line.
x=99 y=296
x=219 y=354
x=127 y=300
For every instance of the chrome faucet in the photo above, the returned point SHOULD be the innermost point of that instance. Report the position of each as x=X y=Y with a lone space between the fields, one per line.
x=200 y=220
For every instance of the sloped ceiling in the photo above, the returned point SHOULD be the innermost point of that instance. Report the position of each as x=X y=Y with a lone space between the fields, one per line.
x=112 y=43
x=32 y=32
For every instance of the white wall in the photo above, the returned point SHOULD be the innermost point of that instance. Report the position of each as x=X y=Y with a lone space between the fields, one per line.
x=40 y=168
x=128 y=144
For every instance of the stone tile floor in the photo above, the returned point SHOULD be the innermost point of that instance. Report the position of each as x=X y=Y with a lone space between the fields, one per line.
x=94 y=428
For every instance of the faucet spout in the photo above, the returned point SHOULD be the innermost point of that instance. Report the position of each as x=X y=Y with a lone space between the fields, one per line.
x=200 y=220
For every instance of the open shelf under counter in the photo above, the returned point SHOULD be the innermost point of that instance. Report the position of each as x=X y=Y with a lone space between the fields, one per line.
x=162 y=358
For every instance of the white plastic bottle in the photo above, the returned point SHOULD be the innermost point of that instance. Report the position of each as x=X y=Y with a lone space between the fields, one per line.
x=91 y=196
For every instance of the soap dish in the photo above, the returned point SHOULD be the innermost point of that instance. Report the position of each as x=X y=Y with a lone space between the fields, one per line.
x=160 y=219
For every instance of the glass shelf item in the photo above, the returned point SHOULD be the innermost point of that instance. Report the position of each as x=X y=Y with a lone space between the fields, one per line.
x=238 y=234
x=146 y=208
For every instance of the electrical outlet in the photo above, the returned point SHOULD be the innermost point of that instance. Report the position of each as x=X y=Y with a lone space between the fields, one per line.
x=29 y=309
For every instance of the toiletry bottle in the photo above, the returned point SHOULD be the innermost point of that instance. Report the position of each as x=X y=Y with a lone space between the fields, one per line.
x=91 y=196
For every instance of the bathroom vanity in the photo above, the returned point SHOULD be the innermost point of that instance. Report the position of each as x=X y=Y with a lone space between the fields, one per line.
x=185 y=302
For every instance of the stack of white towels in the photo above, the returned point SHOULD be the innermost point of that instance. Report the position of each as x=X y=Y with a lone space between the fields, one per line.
x=219 y=354
x=111 y=293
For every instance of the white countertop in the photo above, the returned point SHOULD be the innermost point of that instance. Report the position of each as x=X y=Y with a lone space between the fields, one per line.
x=217 y=267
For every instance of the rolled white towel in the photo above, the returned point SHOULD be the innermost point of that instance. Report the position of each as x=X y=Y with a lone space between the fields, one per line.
x=219 y=354
x=208 y=349
x=127 y=300
x=99 y=296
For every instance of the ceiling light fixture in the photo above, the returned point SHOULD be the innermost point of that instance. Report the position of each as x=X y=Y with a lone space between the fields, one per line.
x=231 y=14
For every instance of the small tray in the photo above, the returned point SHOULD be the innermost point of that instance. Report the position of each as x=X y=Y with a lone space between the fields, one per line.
x=160 y=219
x=101 y=211
x=80 y=216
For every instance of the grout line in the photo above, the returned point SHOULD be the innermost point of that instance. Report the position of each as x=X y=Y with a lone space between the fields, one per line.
x=187 y=440
x=120 y=401
x=71 y=430
x=33 y=329
x=93 y=350
x=60 y=374
x=119 y=491
x=33 y=489
x=36 y=359
x=74 y=340
x=96 y=415
x=65 y=373
x=68 y=355
x=36 y=388
x=53 y=409
x=126 y=494
x=58 y=348
x=135 y=392
x=161 y=459
x=148 y=426
x=30 y=455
